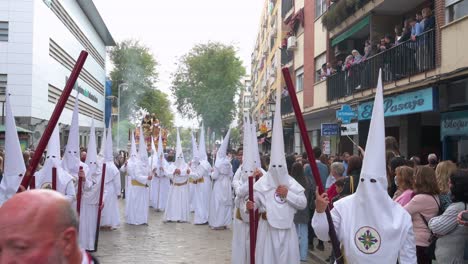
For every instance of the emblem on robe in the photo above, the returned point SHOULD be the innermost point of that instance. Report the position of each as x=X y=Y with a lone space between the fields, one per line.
x=367 y=240
x=279 y=199
x=46 y=185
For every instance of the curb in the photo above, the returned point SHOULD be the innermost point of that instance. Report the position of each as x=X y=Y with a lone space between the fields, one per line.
x=317 y=259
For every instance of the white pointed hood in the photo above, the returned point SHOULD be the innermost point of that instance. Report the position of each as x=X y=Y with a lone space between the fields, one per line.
x=91 y=154
x=202 y=145
x=277 y=171
x=248 y=162
x=161 y=161
x=195 y=151
x=179 y=162
x=109 y=149
x=53 y=148
x=221 y=155
x=153 y=147
x=373 y=226
x=103 y=144
x=133 y=149
x=71 y=157
x=142 y=149
x=255 y=151
x=13 y=163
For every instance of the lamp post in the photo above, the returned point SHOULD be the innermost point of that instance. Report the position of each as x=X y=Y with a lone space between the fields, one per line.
x=122 y=85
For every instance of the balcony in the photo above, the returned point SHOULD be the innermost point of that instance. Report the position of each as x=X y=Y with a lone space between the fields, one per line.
x=407 y=59
x=286 y=8
x=286 y=106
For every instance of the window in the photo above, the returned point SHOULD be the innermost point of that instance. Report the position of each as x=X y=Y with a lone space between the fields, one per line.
x=320 y=7
x=319 y=61
x=3 y=31
x=300 y=80
x=455 y=9
x=3 y=84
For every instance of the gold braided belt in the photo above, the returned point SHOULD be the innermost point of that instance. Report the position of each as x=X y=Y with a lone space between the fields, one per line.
x=137 y=183
x=262 y=215
x=201 y=180
x=180 y=184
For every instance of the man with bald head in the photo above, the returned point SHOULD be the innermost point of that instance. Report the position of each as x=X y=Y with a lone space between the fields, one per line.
x=40 y=226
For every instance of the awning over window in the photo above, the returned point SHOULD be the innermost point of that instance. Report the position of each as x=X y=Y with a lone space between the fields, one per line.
x=348 y=33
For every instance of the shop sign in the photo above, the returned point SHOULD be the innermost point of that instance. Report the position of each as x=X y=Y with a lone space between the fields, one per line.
x=402 y=104
x=454 y=124
x=326 y=147
x=349 y=129
x=83 y=91
x=330 y=129
x=346 y=114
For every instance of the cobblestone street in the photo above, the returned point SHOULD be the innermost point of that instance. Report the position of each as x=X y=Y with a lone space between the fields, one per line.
x=164 y=243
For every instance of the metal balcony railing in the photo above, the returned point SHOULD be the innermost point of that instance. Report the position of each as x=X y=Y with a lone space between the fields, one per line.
x=404 y=60
x=286 y=56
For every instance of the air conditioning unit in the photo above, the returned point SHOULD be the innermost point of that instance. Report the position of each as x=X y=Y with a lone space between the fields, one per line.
x=292 y=43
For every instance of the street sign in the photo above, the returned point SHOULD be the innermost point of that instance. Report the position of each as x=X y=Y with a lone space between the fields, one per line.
x=349 y=129
x=346 y=114
x=330 y=129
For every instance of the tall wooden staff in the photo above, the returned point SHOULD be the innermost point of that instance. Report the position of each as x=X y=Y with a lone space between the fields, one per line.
x=54 y=178
x=53 y=121
x=252 y=222
x=101 y=196
x=313 y=164
x=80 y=191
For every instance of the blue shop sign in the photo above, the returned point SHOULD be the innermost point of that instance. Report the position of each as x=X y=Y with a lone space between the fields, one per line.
x=402 y=104
x=454 y=124
x=330 y=129
x=346 y=114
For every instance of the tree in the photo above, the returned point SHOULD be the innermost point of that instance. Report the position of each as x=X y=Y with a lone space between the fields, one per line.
x=205 y=84
x=135 y=66
x=155 y=101
x=185 y=140
x=235 y=138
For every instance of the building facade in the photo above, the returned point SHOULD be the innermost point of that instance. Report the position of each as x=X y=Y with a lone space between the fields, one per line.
x=39 y=44
x=425 y=77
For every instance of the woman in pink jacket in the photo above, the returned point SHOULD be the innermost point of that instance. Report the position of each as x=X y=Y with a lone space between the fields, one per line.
x=424 y=206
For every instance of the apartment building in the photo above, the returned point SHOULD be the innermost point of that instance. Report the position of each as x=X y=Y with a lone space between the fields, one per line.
x=40 y=41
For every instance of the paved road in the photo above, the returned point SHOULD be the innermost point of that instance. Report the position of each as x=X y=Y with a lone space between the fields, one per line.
x=164 y=243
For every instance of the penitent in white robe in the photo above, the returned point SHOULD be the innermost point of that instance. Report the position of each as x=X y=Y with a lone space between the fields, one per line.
x=138 y=195
x=240 y=226
x=89 y=211
x=178 y=207
x=111 y=213
x=202 y=192
x=221 y=197
x=277 y=241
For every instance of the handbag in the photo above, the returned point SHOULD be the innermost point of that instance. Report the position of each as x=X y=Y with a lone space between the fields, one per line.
x=430 y=251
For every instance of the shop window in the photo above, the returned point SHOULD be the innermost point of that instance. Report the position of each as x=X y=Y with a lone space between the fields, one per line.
x=300 y=80
x=455 y=9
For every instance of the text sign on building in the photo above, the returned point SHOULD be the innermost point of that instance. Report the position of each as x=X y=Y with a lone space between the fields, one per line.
x=407 y=103
x=346 y=114
x=349 y=129
x=454 y=124
x=330 y=129
x=83 y=91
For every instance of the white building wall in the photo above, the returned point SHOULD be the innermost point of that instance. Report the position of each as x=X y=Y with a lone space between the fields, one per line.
x=16 y=54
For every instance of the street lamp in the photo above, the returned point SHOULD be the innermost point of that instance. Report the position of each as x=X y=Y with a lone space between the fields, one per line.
x=124 y=86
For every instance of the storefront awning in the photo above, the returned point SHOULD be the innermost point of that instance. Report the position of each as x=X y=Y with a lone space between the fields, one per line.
x=19 y=129
x=348 y=33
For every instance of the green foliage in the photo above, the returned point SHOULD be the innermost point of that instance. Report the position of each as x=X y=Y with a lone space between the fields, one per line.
x=134 y=65
x=157 y=102
x=235 y=138
x=206 y=82
x=185 y=139
x=340 y=11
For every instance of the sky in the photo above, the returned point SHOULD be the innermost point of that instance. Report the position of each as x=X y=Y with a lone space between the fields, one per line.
x=170 y=28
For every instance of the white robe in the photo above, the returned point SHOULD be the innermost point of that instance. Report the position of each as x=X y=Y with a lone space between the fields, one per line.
x=138 y=196
x=89 y=211
x=65 y=186
x=159 y=187
x=202 y=193
x=221 y=198
x=342 y=215
x=111 y=213
x=178 y=207
x=277 y=241
x=240 y=228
